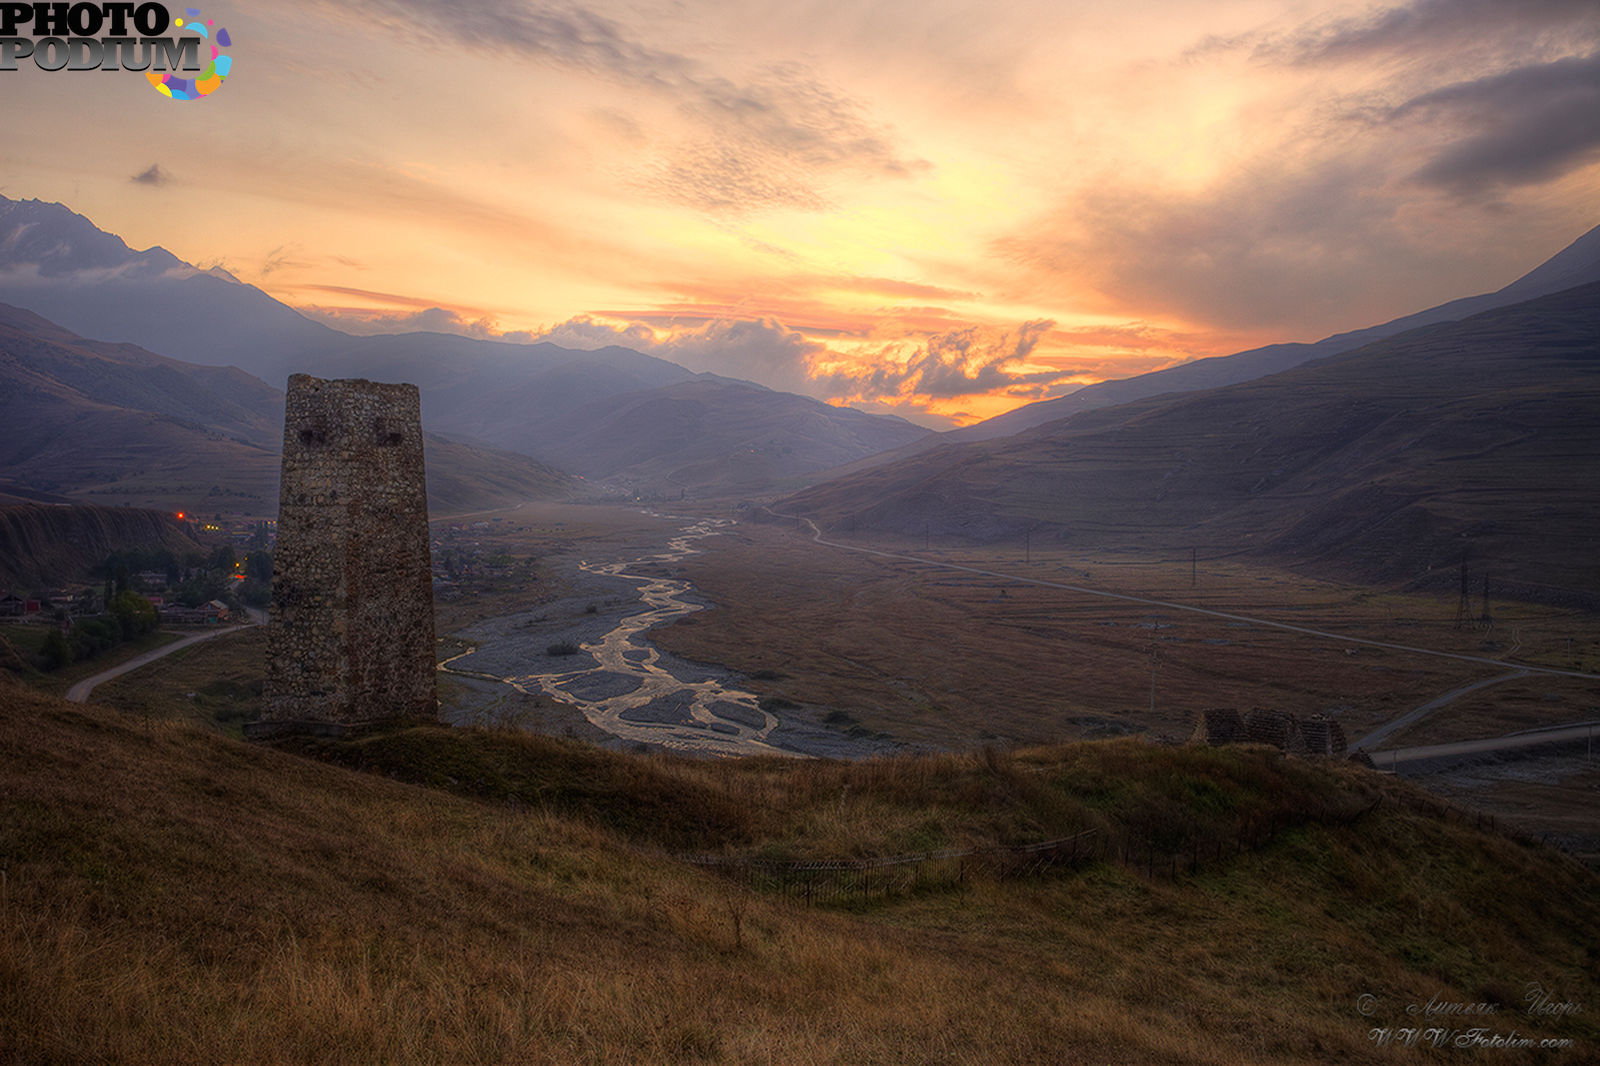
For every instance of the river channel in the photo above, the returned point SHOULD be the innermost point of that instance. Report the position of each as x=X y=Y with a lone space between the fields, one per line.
x=589 y=651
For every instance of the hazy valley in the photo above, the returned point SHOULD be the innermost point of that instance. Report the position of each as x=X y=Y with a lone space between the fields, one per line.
x=640 y=424
x=973 y=664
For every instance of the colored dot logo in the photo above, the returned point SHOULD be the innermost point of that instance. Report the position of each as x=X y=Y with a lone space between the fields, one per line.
x=215 y=73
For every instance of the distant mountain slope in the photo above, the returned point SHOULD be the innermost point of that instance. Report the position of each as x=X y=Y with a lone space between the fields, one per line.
x=47 y=544
x=468 y=477
x=709 y=434
x=124 y=375
x=519 y=397
x=117 y=424
x=1390 y=461
x=58 y=264
x=1577 y=264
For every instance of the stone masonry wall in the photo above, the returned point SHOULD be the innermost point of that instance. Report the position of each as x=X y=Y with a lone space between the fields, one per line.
x=351 y=637
x=1219 y=725
x=1314 y=735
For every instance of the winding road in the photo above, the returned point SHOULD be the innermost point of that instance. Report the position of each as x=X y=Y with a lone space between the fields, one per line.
x=1382 y=733
x=79 y=693
x=1529 y=739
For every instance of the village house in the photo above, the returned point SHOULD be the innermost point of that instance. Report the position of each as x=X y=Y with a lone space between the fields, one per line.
x=213 y=612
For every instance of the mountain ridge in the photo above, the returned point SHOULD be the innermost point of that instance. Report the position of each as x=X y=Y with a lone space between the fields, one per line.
x=1387 y=462
x=491 y=393
x=113 y=423
x=1576 y=264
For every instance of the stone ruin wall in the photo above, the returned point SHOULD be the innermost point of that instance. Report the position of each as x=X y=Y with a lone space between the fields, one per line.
x=351 y=636
x=1313 y=735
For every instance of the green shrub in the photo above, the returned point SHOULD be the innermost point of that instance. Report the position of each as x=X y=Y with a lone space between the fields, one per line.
x=133 y=613
x=91 y=636
x=55 y=653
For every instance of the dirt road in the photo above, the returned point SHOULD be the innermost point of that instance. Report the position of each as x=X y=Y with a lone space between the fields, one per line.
x=1401 y=757
x=79 y=693
x=1379 y=735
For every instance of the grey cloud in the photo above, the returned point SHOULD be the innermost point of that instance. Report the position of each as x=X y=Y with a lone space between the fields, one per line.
x=1278 y=244
x=790 y=110
x=427 y=320
x=1526 y=126
x=1432 y=26
x=280 y=257
x=768 y=139
x=955 y=363
x=1470 y=99
x=721 y=176
x=761 y=350
x=439 y=320
x=153 y=176
x=572 y=37
x=585 y=333
x=972 y=359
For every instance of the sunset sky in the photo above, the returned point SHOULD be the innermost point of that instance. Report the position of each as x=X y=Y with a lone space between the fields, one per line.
x=940 y=208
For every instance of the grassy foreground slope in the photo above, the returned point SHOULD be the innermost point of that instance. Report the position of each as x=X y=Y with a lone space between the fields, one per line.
x=170 y=896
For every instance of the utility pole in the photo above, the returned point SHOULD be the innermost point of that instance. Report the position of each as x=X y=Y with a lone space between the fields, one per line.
x=1155 y=657
x=1027 y=546
x=1464 y=604
x=1194 y=567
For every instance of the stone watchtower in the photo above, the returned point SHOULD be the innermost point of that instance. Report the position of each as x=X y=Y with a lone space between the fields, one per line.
x=351 y=639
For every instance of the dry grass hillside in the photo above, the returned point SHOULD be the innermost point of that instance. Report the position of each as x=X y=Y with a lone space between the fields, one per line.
x=169 y=896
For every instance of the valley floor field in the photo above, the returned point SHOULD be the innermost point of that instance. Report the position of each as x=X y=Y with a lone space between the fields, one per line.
x=856 y=653
x=946 y=646
x=990 y=644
